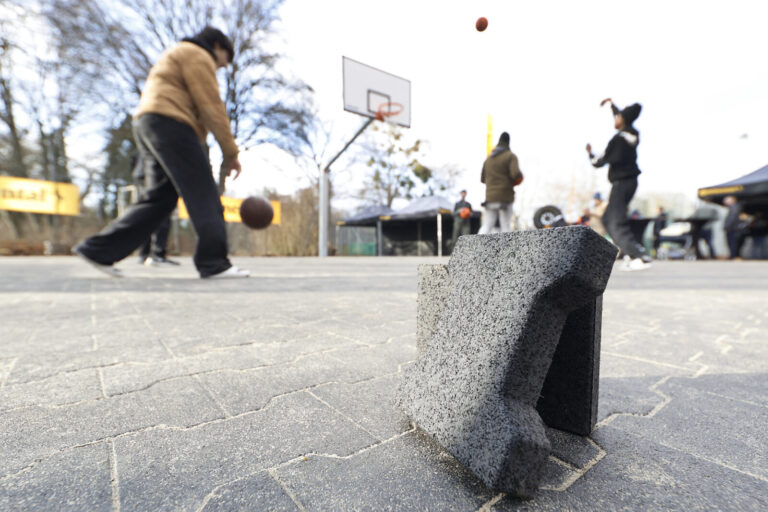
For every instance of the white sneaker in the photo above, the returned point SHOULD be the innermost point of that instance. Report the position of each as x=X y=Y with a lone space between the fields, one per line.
x=230 y=273
x=160 y=262
x=631 y=265
x=110 y=270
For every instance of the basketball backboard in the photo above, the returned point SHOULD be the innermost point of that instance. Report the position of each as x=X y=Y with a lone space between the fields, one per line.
x=374 y=93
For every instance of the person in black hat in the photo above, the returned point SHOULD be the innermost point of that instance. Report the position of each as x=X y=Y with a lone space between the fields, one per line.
x=621 y=157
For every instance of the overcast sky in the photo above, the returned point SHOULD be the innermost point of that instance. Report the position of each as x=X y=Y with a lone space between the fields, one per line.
x=541 y=69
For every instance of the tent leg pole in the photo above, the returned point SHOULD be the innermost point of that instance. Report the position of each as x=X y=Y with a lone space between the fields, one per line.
x=439 y=235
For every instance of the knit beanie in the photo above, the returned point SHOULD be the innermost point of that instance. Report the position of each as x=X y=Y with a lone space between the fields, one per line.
x=631 y=113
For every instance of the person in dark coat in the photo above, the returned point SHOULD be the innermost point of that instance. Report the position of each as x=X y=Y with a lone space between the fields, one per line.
x=735 y=226
x=621 y=157
x=461 y=226
x=501 y=174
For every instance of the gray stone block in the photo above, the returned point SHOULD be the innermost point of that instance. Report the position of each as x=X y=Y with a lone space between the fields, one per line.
x=505 y=302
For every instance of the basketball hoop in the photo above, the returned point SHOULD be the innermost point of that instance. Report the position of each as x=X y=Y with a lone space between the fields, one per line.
x=388 y=109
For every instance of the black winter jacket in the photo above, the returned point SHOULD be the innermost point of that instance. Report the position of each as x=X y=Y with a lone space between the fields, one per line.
x=620 y=155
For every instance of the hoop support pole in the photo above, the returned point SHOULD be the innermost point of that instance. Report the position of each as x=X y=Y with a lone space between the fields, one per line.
x=324 y=199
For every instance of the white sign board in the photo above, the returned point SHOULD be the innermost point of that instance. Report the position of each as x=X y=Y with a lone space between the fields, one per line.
x=369 y=91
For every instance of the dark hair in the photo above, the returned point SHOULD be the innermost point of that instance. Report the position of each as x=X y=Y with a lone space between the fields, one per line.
x=504 y=138
x=210 y=35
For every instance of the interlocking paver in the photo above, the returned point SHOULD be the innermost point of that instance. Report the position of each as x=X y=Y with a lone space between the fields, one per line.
x=162 y=391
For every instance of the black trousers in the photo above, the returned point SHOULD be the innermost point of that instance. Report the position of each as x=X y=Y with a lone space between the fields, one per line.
x=460 y=227
x=175 y=165
x=616 y=220
x=155 y=246
x=736 y=239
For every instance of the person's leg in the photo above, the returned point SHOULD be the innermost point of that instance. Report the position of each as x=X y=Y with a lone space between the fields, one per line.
x=740 y=239
x=465 y=227
x=121 y=237
x=505 y=214
x=616 y=220
x=180 y=152
x=159 y=239
x=706 y=235
x=731 y=238
x=146 y=248
x=489 y=220
x=455 y=234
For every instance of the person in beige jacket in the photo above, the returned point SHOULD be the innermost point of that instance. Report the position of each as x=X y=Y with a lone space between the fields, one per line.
x=179 y=106
x=501 y=174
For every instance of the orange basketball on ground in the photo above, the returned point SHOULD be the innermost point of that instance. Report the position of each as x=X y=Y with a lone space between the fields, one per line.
x=481 y=24
x=465 y=213
x=256 y=212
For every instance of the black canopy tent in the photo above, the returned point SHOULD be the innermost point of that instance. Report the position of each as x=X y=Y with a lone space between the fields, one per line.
x=367 y=216
x=751 y=191
x=360 y=234
x=422 y=228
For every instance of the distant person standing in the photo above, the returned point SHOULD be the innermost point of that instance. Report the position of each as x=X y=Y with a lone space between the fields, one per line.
x=735 y=226
x=596 y=214
x=461 y=218
x=153 y=252
x=179 y=105
x=501 y=174
x=621 y=157
x=659 y=223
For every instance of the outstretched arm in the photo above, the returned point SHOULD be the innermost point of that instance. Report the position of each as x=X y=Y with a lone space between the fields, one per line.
x=614 y=108
x=605 y=158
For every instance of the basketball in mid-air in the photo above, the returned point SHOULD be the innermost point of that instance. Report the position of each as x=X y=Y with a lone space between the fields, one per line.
x=465 y=213
x=256 y=212
x=481 y=24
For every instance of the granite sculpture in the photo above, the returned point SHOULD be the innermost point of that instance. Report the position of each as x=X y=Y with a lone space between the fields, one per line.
x=508 y=340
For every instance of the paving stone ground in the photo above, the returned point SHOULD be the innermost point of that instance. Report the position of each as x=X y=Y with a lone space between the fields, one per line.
x=161 y=391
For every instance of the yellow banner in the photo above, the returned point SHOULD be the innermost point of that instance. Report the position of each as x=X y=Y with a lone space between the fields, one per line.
x=232 y=209
x=39 y=196
x=489 y=137
x=704 y=192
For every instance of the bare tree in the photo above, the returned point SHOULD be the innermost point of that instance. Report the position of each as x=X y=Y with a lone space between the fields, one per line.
x=395 y=167
x=113 y=45
x=28 y=107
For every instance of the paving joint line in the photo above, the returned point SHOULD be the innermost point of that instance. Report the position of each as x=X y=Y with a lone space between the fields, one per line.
x=334 y=409
x=288 y=491
x=161 y=427
x=8 y=372
x=114 y=476
x=579 y=472
x=486 y=507
x=650 y=414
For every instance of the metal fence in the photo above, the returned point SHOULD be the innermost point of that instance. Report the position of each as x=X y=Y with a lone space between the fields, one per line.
x=356 y=240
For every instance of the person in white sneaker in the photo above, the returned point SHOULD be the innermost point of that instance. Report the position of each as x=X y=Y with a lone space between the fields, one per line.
x=179 y=105
x=621 y=157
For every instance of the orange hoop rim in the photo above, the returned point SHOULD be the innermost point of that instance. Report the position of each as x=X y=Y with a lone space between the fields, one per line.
x=389 y=105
